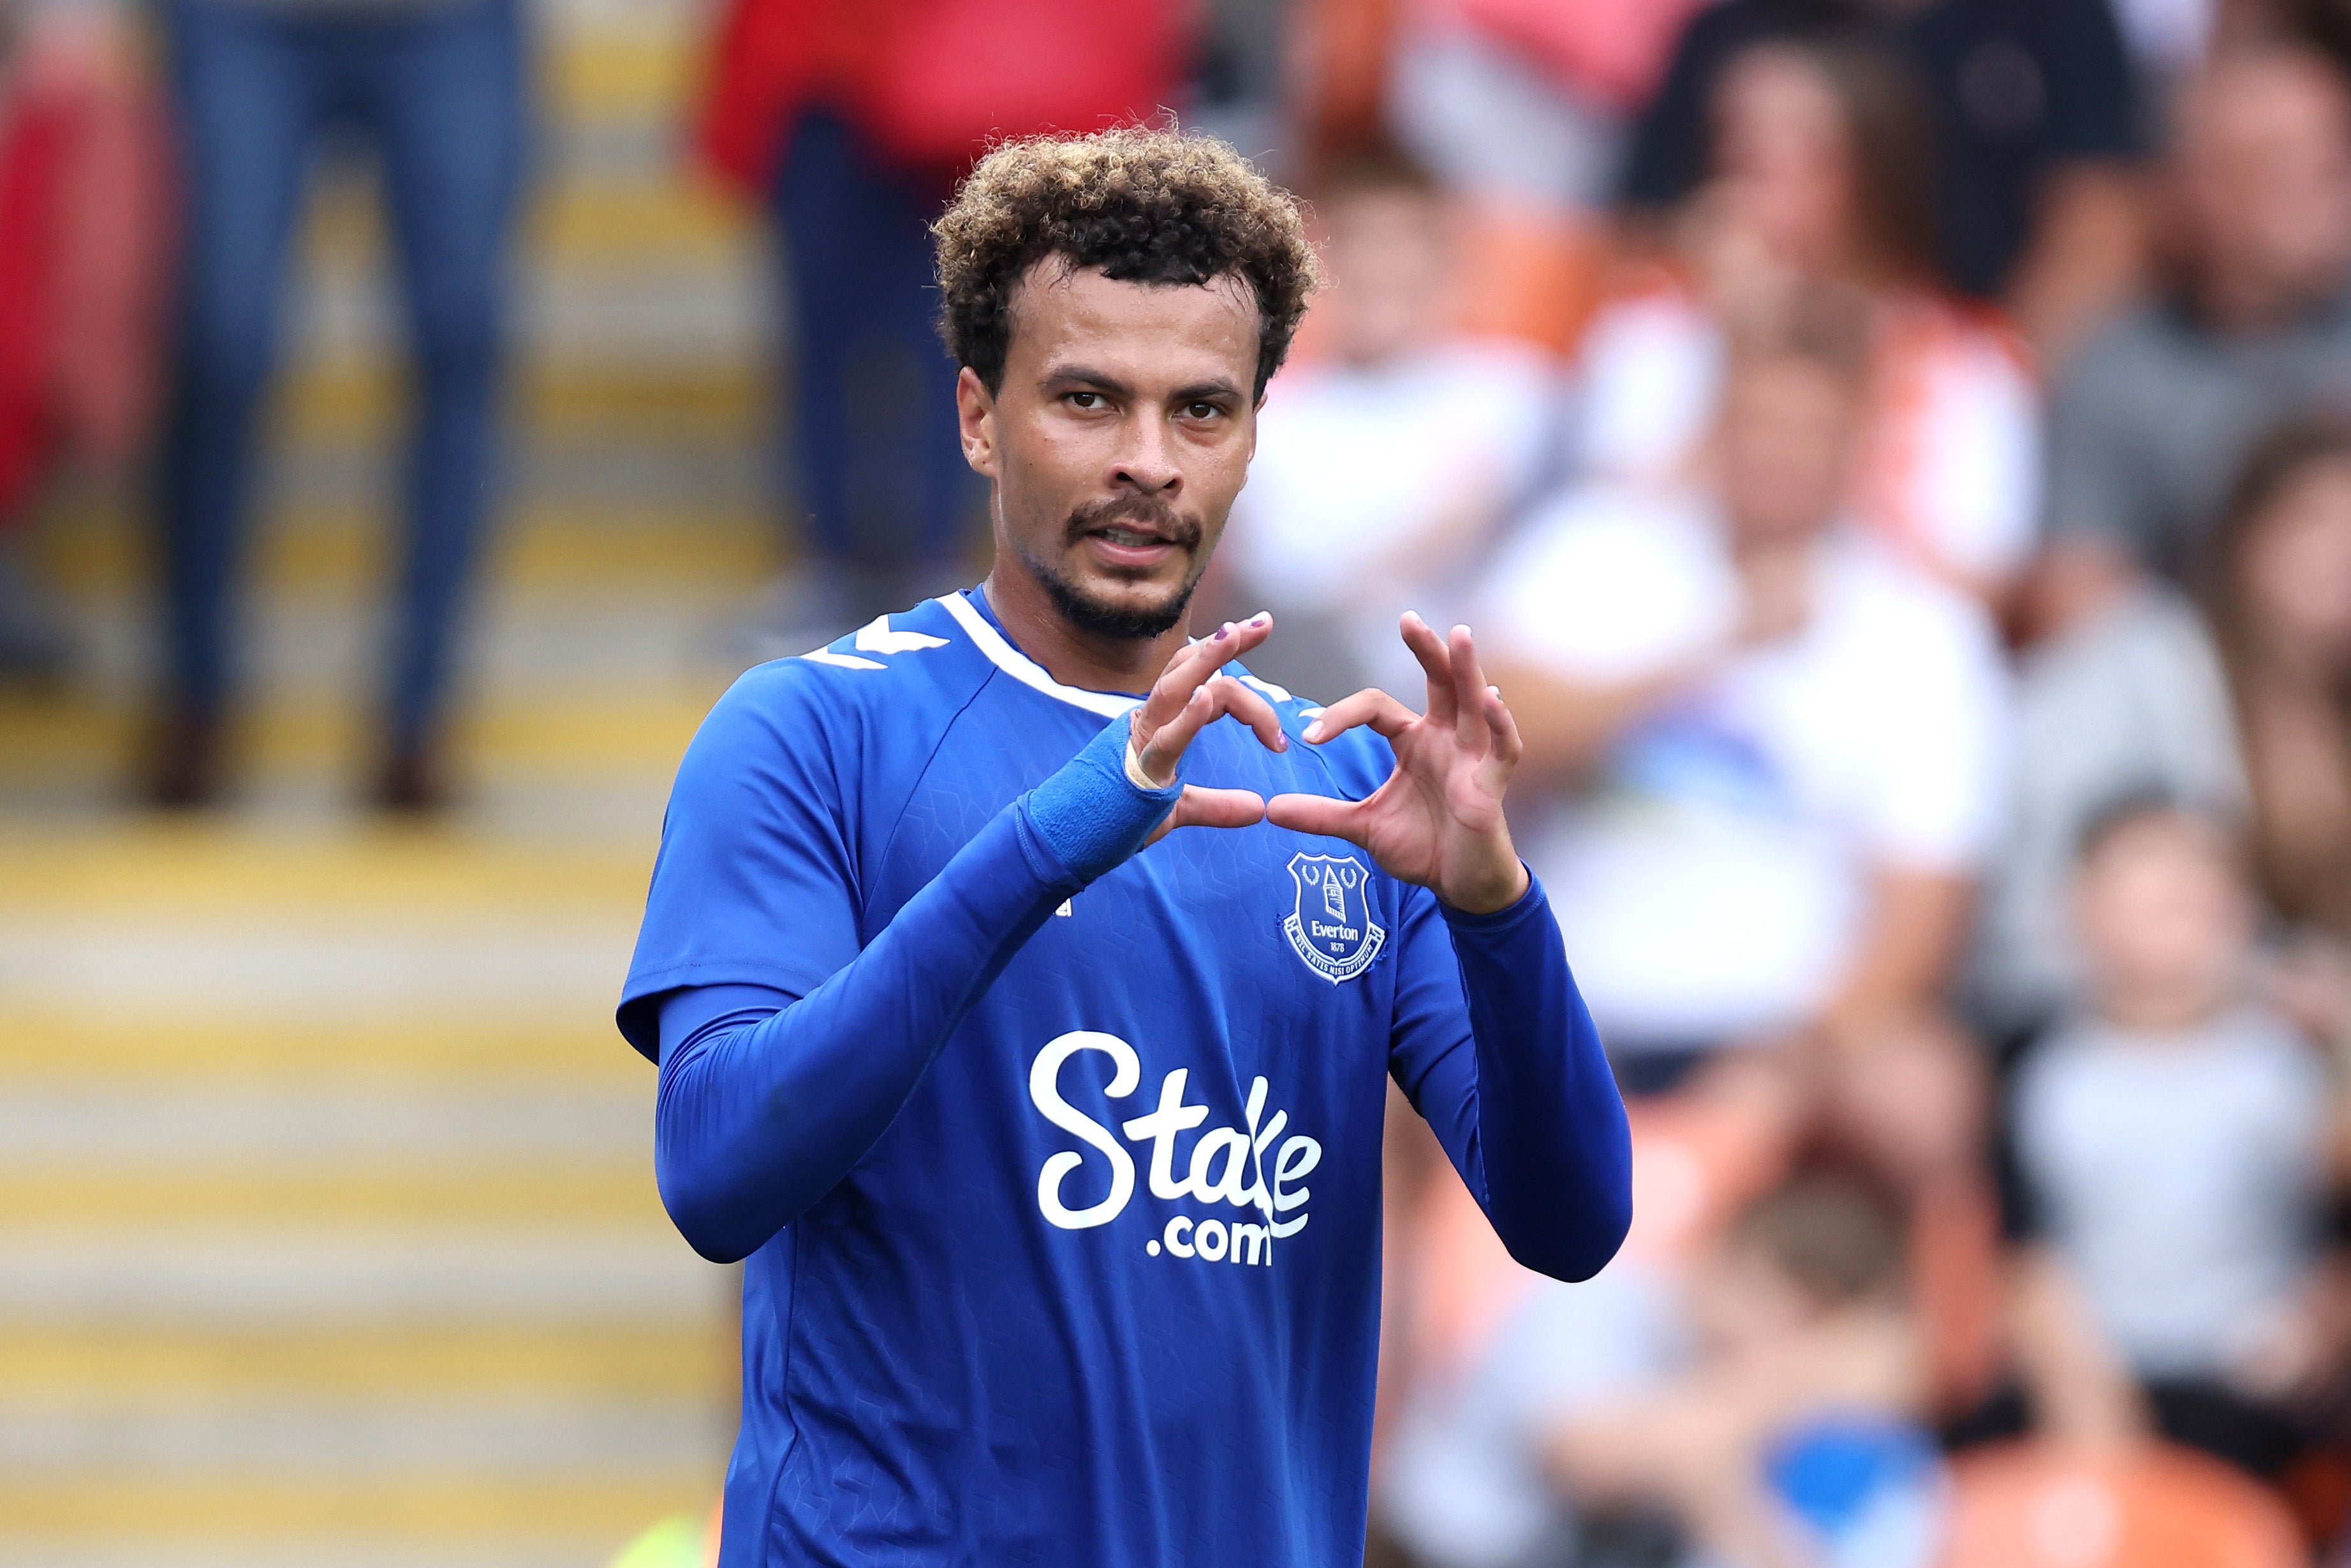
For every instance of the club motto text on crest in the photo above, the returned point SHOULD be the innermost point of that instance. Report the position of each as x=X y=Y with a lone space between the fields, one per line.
x=1331 y=925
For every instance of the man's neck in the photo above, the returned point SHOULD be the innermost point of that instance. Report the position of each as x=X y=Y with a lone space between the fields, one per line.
x=1069 y=654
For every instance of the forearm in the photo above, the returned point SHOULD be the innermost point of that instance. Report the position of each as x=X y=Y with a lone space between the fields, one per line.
x=1918 y=921
x=1553 y=1147
x=1567 y=727
x=758 y=1119
x=2079 y=1388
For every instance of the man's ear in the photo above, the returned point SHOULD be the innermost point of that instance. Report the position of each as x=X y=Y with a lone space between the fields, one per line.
x=976 y=417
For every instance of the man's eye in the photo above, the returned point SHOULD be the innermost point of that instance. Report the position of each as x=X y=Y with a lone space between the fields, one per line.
x=1203 y=411
x=1086 y=399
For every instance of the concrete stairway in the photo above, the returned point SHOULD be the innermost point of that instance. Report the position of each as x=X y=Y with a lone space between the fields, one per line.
x=328 y=1233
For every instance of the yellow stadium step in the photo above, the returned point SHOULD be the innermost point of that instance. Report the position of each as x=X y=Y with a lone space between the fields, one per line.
x=179 y=1365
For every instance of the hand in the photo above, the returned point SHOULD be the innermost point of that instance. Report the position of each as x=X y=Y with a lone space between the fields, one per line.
x=1438 y=819
x=1188 y=695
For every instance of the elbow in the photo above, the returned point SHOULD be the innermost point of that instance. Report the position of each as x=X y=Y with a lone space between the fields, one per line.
x=1576 y=1247
x=714 y=1221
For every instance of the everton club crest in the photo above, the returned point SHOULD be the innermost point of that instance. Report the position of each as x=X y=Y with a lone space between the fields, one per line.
x=1331 y=926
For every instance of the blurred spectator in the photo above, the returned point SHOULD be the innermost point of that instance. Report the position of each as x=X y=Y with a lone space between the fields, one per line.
x=2243 y=711
x=2154 y=417
x=84 y=212
x=2170 y=1148
x=2034 y=128
x=1788 y=741
x=437 y=91
x=1634 y=1418
x=1384 y=467
x=1820 y=180
x=852 y=121
x=1792 y=736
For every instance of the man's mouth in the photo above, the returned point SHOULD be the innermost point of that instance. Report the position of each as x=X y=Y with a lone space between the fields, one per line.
x=1118 y=534
x=1125 y=542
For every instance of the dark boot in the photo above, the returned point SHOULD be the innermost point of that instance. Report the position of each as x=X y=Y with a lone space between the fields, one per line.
x=185 y=765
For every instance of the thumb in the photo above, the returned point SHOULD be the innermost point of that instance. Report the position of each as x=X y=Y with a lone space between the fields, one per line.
x=1202 y=808
x=1318 y=814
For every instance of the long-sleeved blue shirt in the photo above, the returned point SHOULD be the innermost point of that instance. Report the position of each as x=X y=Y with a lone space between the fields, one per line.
x=1061 y=1201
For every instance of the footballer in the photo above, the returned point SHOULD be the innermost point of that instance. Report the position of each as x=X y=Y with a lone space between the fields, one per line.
x=1026 y=977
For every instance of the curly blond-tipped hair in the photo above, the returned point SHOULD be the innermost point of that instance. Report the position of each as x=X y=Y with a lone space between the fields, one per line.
x=1145 y=205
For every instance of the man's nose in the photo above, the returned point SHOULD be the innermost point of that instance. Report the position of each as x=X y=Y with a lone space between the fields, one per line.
x=1146 y=461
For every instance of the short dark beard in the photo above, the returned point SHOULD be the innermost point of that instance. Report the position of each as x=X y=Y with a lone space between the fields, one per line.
x=1117 y=623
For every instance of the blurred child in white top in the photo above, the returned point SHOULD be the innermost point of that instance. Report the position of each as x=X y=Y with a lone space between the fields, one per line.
x=1391 y=449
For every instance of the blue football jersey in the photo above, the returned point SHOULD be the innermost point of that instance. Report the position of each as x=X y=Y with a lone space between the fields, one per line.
x=1107 y=1289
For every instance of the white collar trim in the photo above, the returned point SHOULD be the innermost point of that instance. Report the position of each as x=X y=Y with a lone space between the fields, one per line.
x=1026 y=670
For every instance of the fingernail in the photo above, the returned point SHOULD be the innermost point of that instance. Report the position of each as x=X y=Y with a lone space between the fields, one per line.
x=1262 y=618
x=1224 y=631
x=1314 y=730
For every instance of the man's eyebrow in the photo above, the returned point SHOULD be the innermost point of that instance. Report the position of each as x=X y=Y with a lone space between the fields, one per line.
x=1201 y=391
x=1084 y=376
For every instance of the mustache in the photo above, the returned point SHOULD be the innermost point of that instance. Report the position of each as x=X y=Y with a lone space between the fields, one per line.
x=1144 y=510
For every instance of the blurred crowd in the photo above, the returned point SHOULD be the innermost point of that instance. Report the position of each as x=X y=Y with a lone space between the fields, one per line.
x=1897 y=454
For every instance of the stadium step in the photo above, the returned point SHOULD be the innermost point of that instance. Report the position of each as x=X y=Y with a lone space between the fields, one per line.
x=326 y=1189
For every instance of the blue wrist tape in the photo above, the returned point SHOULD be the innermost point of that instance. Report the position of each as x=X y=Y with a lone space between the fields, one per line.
x=1091 y=814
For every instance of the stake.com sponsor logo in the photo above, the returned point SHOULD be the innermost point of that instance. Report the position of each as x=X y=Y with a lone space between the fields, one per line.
x=1228 y=1164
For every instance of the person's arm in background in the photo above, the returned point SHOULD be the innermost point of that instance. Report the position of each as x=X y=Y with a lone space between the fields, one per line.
x=2087 y=251
x=1568 y=726
x=766 y=1101
x=2092 y=513
x=1910 y=945
x=1499 y=1053
x=2087 y=255
x=2078 y=1387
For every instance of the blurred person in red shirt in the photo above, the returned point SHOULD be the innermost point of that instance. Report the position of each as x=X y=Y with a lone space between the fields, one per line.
x=851 y=120
x=84 y=228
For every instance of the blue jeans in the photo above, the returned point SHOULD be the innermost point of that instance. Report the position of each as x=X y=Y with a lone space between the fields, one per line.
x=880 y=464
x=438 y=92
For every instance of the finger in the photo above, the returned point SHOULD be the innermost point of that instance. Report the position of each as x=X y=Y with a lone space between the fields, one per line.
x=1322 y=815
x=1159 y=754
x=1220 y=696
x=1503 y=726
x=1184 y=675
x=1252 y=710
x=1435 y=661
x=1371 y=706
x=1199 y=808
x=1195 y=666
x=1469 y=692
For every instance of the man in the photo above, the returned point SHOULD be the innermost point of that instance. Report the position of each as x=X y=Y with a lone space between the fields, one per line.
x=1053 y=1134
x=2151 y=423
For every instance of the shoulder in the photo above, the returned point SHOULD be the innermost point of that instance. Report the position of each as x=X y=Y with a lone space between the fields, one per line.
x=815 y=710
